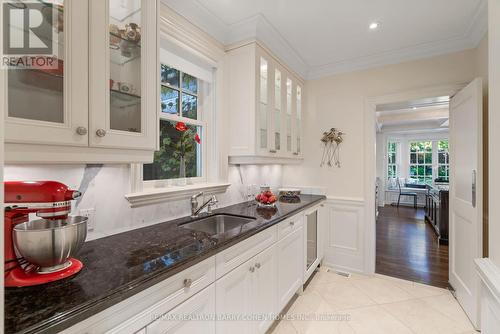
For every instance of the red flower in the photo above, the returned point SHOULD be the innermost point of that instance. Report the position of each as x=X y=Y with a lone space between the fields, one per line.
x=197 y=138
x=180 y=126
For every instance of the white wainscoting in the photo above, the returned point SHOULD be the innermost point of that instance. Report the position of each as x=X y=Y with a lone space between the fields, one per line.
x=490 y=296
x=345 y=234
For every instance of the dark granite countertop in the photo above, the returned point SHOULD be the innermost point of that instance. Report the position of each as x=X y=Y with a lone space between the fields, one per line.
x=121 y=265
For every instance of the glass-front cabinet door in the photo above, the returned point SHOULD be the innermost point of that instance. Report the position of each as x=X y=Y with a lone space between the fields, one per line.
x=263 y=123
x=276 y=121
x=298 y=122
x=124 y=73
x=289 y=113
x=47 y=99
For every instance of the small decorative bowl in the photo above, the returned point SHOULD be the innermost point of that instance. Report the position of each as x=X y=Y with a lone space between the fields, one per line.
x=264 y=205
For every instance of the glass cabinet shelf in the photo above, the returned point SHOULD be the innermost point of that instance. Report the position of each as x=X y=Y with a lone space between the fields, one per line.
x=122 y=50
x=121 y=99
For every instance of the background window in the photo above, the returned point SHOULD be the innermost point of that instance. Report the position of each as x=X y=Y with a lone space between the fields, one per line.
x=181 y=129
x=392 y=167
x=421 y=161
x=443 y=161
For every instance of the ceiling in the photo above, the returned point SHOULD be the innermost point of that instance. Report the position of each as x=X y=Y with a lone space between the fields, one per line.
x=429 y=114
x=323 y=37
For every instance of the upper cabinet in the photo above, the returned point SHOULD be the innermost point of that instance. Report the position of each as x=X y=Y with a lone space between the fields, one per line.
x=101 y=102
x=265 y=108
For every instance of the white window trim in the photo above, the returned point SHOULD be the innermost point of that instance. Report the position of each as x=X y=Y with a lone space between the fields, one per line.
x=404 y=140
x=210 y=53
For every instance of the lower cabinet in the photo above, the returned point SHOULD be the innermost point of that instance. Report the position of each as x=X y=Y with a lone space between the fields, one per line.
x=246 y=296
x=256 y=279
x=290 y=262
x=195 y=315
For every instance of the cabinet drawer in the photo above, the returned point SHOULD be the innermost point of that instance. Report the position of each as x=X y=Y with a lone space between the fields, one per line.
x=136 y=312
x=195 y=315
x=232 y=257
x=288 y=226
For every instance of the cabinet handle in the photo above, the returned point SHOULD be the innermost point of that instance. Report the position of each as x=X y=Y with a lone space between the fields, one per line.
x=188 y=282
x=100 y=133
x=252 y=269
x=81 y=130
x=272 y=151
x=257 y=265
x=295 y=153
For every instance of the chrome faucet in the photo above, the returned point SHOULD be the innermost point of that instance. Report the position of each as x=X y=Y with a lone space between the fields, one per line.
x=195 y=210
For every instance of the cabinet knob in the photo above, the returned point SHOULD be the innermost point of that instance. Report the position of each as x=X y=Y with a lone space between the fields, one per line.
x=295 y=153
x=257 y=265
x=292 y=223
x=81 y=130
x=100 y=132
x=252 y=269
x=188 y=282
x=273 y=151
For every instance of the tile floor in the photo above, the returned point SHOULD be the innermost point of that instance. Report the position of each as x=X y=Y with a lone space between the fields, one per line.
x=372 y=305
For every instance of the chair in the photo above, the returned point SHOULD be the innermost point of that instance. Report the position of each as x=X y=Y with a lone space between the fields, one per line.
x=401 y=193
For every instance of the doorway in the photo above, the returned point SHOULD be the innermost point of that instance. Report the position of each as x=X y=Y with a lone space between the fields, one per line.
x=466 y=185
x=413 y=185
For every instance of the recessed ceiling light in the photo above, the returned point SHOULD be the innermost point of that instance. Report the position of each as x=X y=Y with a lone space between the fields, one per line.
x=373 y=25
x=414 y=108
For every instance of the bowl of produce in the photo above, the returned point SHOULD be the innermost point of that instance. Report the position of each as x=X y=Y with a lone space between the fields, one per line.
x=266 y=199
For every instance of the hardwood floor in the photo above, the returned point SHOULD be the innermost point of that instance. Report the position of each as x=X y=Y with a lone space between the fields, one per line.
x=407 y=247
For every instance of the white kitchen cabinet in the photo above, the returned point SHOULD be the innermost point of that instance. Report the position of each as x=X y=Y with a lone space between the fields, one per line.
x=101 y=104
x=48 y=106
x=124 y=90
x=249 y=290
x=234 y=297
x=195 y=315
x=266 y=104
x=290 y=263
x=264 y=288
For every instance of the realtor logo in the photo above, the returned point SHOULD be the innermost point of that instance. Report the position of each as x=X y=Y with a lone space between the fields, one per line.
x=29 y=35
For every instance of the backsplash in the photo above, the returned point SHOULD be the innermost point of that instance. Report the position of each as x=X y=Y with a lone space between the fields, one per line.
x=104 y=188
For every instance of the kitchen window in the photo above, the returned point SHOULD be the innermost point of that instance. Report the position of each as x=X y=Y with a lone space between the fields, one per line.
x=421 y=161
x=182 y=129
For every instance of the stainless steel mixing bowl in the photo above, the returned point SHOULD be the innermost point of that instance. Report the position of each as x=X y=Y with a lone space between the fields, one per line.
x=49 y=243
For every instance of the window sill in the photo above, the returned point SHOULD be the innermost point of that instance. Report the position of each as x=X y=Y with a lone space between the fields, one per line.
x=162 y=195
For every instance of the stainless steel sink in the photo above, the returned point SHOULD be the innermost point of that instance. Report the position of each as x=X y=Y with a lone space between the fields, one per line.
x=217 y=224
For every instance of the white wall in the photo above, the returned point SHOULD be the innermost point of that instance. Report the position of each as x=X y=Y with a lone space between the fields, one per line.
x=494 y=133
x=104 y=189
x=339 y=101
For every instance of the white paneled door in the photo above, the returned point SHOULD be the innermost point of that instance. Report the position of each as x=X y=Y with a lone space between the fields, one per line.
x=466 y=195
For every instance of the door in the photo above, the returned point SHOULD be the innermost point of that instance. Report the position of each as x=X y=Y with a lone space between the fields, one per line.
x=195 y=315
x=290 y=266
x=124 y=73
x=264 y=288
x=234 y=297
x=49 y=104
x=466 y=195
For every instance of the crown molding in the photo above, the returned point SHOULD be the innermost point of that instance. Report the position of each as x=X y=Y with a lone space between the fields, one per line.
x=257 y=27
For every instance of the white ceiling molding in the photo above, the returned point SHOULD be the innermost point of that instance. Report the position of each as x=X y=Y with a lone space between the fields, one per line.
x=176 y=29
x=258 y=27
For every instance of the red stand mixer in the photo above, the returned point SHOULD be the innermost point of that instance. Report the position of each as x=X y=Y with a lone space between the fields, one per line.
x=39 y=251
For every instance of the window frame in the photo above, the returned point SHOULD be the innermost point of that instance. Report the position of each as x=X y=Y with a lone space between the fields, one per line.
x=396 y=159
x=201 y=121
x=447 y=164
x=424 y=164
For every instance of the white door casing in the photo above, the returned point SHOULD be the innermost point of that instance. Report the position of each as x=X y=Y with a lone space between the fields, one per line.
x=466 y=211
